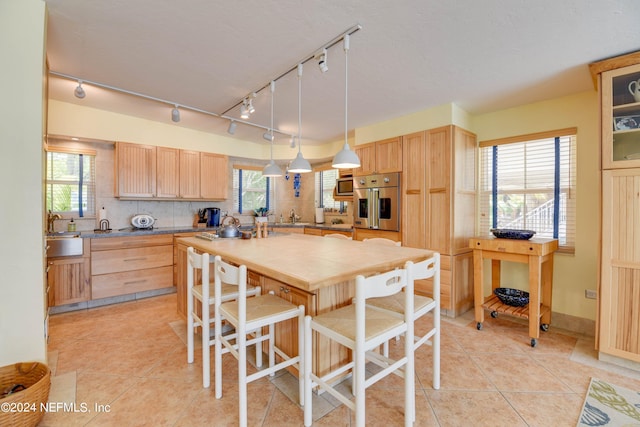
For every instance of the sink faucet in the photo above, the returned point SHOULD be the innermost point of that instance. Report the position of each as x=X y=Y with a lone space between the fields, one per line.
x=51 y=217
x=292 y=216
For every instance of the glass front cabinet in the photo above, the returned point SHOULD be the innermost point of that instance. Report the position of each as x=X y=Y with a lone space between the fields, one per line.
x=620 y=96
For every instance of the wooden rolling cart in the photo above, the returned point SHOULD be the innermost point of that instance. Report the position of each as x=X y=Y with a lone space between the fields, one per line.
x=538 y=254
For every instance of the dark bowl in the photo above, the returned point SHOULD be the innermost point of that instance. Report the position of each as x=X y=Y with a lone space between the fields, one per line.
x=512 y=297
x=508 y=233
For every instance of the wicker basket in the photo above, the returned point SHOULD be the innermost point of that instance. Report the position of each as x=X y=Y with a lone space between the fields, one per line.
x=33 y=380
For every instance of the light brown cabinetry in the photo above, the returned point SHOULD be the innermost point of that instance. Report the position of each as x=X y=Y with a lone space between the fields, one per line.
x=189 y=174
x=135 y=170
x=148 y=172
x=69 y=278
x=126 y=265
x=214 y=176
x=438 y=207
x=167 y=172
x=379 y=157
x=619 y=293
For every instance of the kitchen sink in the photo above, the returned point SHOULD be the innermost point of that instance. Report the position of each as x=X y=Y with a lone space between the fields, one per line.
x=64 y=244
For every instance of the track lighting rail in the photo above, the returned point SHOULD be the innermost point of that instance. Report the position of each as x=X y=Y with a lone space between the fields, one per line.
x=325 y=46
x=165 y=101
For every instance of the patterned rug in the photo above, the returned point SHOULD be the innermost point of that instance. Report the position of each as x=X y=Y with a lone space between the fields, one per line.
x=610 y=405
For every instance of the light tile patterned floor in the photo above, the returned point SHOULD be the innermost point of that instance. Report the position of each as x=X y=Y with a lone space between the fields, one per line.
x=126 y=366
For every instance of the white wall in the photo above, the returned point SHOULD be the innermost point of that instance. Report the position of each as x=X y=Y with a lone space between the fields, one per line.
x=22 y=34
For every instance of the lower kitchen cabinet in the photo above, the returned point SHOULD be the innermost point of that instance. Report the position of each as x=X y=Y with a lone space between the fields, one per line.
x=126 y=265
x=366 y=233
x=287 y=331
x=69 y=280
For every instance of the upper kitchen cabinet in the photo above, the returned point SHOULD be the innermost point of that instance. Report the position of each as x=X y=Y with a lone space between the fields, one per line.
x=147 y=172
x=214 y=176
x=167 y=172
x=620 y=102
x=135 y=166
x=189 y=174
x=379 y=157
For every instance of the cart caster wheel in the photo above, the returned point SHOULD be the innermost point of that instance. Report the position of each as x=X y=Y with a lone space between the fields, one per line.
x=544 y=327
x=494 y=314
x=479 y=326
x=534 y=342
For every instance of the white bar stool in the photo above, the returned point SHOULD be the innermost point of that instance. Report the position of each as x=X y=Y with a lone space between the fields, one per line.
x=362 y=329
x=199 y=297
x=248 y=315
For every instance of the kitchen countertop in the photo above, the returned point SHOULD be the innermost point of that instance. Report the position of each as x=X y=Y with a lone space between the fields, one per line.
x=308 y=262
x=190 y=229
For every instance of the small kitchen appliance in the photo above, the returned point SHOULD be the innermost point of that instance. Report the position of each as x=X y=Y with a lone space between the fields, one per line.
x=143 y=221
x=213 y=217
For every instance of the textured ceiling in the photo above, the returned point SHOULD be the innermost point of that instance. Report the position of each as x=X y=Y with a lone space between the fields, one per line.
x=409 y=55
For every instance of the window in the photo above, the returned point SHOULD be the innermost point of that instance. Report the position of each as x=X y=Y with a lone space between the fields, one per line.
x=71 y=183
x=325 y=182
x=251 y=190
x=529 y=182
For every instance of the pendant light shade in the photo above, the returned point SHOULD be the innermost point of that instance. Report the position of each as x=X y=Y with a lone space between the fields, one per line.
x=271 y=170
x=300 y=164
x=346 y=159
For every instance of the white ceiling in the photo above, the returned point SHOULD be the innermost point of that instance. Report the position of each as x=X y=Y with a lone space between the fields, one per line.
x=409 y=55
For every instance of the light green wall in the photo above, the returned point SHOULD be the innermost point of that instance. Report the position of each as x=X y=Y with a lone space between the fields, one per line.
x=22 y=32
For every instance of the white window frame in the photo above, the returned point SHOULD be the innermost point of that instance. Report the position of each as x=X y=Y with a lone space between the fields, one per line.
x=530 y=162
x=85 y=208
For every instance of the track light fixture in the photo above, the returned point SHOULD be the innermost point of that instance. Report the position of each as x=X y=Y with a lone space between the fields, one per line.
x=79 y=92
x=244 y=109
x=175 y=114
x=322 y=60
x=251 y=107
x=268 y=135
x=292 y=142
x=232 y=127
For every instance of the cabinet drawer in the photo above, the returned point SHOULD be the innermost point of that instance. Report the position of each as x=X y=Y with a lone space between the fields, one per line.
x=103 y=262
x=108 y=285
x=313 y=231
x=108 y=243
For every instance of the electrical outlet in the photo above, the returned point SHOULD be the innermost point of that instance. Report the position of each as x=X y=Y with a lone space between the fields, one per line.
x=590 y=293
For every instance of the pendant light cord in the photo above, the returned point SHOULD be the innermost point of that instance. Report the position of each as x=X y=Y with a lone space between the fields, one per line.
x=299 y=106
x=346 y=85
x=273 y=89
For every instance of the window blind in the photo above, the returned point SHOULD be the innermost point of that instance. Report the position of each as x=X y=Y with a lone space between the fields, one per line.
x=530 y=185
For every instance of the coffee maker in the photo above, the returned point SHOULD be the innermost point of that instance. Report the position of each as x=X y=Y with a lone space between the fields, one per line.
x=213 y=217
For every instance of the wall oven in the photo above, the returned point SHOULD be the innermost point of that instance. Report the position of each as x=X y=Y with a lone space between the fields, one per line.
x=377 y=201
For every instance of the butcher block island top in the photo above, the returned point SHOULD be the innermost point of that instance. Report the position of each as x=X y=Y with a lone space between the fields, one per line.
x=308 y=262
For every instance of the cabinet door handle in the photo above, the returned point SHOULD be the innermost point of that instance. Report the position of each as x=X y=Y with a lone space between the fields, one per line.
x=135 y=281
x=136 y=259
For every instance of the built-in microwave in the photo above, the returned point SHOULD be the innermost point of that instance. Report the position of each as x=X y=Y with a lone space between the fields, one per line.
x=344 y=187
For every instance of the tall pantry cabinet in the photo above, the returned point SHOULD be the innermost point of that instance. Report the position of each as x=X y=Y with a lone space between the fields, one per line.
x=619 y=293
x=438 y=208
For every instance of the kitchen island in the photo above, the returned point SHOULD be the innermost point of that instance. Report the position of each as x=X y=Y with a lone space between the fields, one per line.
x=316 y=272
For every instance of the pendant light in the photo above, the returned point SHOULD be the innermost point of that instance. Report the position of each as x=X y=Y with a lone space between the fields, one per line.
x=300 y=164
x=346 y=159
x=272 y=170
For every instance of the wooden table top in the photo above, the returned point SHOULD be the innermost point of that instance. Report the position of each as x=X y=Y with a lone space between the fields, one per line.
x=309 y=262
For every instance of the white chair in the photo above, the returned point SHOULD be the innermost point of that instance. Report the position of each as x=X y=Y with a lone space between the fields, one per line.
x=382 y=241
x=428 y=269
x=199 y=302
x=362 y=329
x=338 y=236
x=247 y=315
